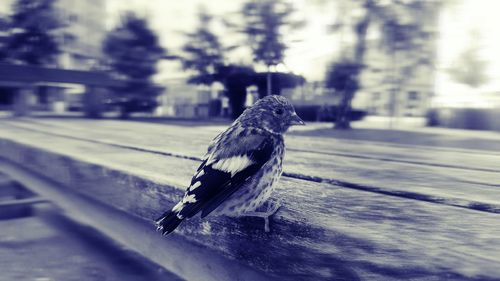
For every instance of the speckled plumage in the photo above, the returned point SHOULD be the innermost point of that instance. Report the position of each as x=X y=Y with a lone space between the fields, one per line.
x=241 y=167
x=259 y=186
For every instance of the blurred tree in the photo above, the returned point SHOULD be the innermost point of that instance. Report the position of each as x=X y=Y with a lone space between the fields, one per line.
x=31 y=38
x=266 y=21
x=351 y=67
x=469 y=68
x=279 y=80
x=408 y=41
x=236 y=79
x=342 y=76
x=204 y=52
x=402 y=30
x=132 y=50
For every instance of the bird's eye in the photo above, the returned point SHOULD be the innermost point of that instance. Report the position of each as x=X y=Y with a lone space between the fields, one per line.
x=279 y=111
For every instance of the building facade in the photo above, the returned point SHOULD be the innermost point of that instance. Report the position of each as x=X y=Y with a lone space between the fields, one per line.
x=399 y=81
x=184 y=100
x=389 y=89
x=80 y=41
x=82 y=37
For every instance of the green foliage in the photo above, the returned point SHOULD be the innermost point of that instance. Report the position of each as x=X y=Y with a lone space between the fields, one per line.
x=133 y=51
x=266 y=22
x=204 y=52
x=31 y=29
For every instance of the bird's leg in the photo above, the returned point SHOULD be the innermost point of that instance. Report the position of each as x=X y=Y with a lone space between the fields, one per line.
x=271 y=207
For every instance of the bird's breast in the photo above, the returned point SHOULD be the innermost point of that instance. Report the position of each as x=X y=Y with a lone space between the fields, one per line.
x=257 y=190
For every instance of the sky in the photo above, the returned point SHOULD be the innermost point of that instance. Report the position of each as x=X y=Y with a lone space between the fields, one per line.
x=457 y=24
x=312 y=48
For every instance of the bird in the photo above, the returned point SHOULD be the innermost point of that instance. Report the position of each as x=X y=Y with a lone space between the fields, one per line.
x=240 y=169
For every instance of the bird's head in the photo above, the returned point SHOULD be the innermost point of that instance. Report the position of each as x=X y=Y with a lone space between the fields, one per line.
x=272 y=113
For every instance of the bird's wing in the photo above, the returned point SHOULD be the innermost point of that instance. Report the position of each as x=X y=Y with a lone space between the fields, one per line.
x=233 y=161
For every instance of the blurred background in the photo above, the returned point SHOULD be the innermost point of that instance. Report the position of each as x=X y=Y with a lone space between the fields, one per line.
x=106 y=107
x=384 y=63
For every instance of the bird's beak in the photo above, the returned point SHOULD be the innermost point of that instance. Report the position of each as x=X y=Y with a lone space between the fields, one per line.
x=295 y=120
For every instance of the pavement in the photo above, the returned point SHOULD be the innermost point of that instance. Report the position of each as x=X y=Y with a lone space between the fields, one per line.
x=409 y=131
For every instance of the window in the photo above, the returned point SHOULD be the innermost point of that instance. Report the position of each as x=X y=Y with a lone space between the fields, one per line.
x=412 y=95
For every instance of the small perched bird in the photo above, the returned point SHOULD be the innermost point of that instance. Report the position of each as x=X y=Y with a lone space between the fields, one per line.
x=241 y=167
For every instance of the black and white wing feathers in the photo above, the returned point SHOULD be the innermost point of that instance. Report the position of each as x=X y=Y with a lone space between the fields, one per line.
x=233 y=157
x=222 y=173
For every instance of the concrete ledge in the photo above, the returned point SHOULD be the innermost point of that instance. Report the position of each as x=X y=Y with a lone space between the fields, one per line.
x=323 y=232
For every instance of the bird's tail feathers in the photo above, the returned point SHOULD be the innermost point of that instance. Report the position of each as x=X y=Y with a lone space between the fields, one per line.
x=168 y=222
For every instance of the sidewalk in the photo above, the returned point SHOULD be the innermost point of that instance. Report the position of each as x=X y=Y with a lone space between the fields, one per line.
x=407 y=131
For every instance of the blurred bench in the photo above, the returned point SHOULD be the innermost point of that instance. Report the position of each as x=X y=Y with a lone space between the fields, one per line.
x=391 y=213
x=26 y=78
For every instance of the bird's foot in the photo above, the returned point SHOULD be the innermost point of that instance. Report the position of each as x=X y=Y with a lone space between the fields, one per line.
x=271 y=207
